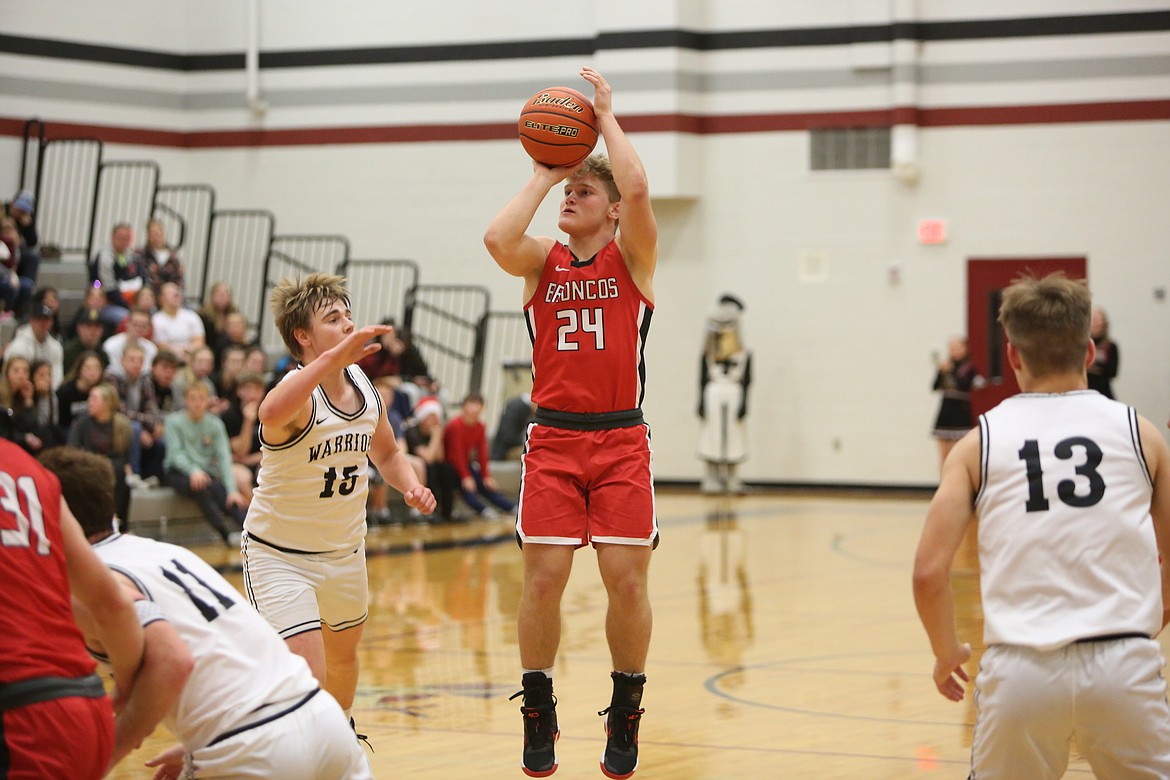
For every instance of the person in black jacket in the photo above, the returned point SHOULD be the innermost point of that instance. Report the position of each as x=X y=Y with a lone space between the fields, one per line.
x=1103 y=369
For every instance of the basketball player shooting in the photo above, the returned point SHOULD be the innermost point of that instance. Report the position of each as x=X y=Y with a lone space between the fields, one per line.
x=588 y=305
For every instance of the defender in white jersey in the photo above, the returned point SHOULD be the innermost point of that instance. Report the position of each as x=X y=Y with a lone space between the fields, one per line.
x=303 y=545
x=1072 y=496
x=239 y=701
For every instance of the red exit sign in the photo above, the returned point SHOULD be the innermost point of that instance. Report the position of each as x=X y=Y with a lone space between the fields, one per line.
x=932 y=231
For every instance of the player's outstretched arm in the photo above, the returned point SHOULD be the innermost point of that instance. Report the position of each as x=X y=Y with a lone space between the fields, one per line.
x=288 y=406
x=1157 y=455
x=946 y=524
x=103 y=609
x=638 y=234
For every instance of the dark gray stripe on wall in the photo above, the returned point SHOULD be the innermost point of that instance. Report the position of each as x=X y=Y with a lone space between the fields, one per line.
x=684 y=81
x=116 y=55
x=434 y=53
x=1042 y=26
x=1048 y=26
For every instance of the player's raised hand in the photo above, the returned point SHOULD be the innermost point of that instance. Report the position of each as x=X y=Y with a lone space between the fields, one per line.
x=553 y=175
x=602 y=91
x=420 y=498
x=360 y=343
x=949 y=671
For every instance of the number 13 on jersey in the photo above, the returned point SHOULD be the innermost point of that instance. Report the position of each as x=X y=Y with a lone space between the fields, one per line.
x=1089 y=457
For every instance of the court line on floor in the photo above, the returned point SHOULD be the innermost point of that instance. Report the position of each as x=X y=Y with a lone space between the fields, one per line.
x=711 y=684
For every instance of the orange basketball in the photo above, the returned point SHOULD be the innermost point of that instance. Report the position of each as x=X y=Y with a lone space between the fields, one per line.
x=558 y=127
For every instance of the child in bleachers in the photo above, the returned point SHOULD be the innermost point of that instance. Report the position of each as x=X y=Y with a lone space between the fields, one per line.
x=240 y=420
x=21 y=396
x=139 y=404
x=73 y=394
x=106 y=431
x=161 y=260
x=215 y=310
x=466 y=446
x=199 y=463
x=198 y=371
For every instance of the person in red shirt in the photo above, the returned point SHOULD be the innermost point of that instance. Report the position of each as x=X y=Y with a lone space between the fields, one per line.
x=466 y=446
x=587 y=476
x=57 y=719
x=397 y=357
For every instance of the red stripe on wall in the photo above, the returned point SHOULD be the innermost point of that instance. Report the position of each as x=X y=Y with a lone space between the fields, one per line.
x=1134 y=111
x=1069 y=113
x=301 y=136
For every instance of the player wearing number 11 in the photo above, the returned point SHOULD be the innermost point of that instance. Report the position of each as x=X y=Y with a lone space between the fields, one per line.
x=304 y=536
x=1071 y=491
x=587 y=473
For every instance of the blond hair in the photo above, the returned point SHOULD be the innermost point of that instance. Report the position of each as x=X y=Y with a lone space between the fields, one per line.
x=597 y=166
x=294 y=301
x=1047 y=320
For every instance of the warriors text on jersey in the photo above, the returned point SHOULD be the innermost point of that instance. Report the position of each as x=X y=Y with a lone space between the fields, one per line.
x=241 y=665
x=311 y=495
x=588 y=323
x=38 y=637
x=1066 y=542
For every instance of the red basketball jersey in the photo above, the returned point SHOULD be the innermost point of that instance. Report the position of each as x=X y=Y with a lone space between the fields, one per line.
x=588 y=323
x=38 y=637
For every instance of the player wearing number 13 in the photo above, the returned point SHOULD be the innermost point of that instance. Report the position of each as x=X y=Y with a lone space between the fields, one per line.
x=1072 y=495
x=587 y=476
x=304 y=536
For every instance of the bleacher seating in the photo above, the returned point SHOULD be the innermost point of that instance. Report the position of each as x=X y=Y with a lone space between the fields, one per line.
x=80 y=195
x=161 y=513
x=70 y=278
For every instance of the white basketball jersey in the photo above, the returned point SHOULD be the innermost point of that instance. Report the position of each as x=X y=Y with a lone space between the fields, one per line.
x=311 y=493
x=1066 y=542
x=240 y=662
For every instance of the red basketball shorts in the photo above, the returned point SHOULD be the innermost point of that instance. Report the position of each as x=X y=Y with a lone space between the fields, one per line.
x=70 y=738
x=583 y=487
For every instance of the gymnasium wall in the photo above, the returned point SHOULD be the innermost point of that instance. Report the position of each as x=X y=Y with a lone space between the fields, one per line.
x=391 y=123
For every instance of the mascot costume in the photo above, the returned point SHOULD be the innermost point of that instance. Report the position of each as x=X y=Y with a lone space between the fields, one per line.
x=724 y=375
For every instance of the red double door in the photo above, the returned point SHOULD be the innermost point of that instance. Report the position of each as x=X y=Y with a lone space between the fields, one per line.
x=986 y=279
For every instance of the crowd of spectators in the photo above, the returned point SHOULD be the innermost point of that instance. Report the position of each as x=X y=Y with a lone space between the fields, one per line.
x=118 y=378
x=170 y=393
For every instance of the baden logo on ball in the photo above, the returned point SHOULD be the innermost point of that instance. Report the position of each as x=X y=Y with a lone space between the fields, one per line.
x=558 y=127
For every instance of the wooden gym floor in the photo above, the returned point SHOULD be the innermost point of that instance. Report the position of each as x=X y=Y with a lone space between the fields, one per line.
x=785 y=646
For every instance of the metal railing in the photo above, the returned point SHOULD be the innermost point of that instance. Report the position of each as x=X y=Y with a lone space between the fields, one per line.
x=448 y=324
x=30 y=154
x=68 y=175
x=237 y=252
x=507 y=361
x=292 y=256
x=186 y=211
x=378 y=289
x=126 y=191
